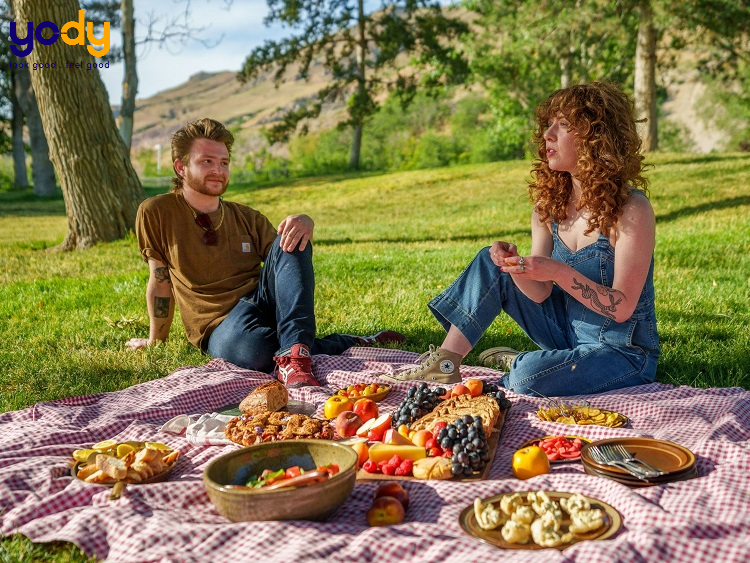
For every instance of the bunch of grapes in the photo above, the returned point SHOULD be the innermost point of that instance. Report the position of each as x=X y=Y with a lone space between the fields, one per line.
x=419 y=401
x=492 y=390
x=468 y=442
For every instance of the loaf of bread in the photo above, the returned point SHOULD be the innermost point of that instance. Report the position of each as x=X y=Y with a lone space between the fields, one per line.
x=433 y=468
x=270 y=396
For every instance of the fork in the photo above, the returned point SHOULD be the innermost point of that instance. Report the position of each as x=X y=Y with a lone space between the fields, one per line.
x=600 y=457
x=626 y=457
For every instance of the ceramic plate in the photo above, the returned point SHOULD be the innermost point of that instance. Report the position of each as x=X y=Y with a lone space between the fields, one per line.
x=535 y=442
x=612 y=524
x=666 y=456
x=377 y=397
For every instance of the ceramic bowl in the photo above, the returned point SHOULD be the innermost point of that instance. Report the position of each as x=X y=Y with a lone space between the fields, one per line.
x=311 y=502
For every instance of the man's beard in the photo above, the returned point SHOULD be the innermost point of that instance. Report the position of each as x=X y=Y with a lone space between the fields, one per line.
x=199 y=185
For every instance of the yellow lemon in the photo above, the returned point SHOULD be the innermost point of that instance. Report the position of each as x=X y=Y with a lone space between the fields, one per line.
x=158 y=446
x=124 y=449
x=105 y=445
x=82 y=455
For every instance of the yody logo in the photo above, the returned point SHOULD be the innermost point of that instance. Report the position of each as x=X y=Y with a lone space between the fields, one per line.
x=23 y=47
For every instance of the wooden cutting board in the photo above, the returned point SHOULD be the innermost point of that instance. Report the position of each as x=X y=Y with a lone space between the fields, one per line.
x=492 y=441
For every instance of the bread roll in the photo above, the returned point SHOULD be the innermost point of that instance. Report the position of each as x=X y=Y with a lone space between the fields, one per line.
x=270 y=396
x=433 y=468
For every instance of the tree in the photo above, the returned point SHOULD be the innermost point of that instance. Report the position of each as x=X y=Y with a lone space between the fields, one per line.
x=360 y=52
x=100 y=187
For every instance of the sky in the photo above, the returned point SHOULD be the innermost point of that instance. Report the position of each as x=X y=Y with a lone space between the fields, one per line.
x=238 y=23
x=240 y=28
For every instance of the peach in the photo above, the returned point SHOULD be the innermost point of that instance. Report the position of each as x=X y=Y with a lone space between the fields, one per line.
x=366 y=409
x=474 y=386
x=385 y=511
x=363 y=452
x=420 y=438
x=460 y=389
x=347 y=423
x=394 y=490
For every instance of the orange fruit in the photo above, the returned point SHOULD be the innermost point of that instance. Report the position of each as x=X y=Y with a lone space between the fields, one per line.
x=530 y=462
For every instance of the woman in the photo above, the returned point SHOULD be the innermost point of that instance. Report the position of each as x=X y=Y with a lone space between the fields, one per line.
x=585 y=293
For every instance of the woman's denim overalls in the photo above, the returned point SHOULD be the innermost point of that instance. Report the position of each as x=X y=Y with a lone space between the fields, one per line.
x=582 y=351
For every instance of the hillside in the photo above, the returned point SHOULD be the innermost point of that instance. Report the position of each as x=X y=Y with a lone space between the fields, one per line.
x=247 y=107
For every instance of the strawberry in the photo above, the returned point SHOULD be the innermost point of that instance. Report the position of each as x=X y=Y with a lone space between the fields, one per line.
x=370 y=466
x=435 y=452
x=438 y=426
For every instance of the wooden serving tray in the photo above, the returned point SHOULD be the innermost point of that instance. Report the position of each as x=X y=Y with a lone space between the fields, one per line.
x=492 y=441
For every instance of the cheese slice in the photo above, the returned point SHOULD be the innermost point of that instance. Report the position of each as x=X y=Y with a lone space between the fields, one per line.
x=383 y=452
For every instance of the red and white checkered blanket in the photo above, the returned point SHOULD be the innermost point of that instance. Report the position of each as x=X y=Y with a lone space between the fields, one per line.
x=706 y=518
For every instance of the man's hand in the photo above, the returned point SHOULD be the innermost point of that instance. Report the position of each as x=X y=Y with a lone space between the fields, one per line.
x=501 y=250
x=137 y=343
x=295 y=230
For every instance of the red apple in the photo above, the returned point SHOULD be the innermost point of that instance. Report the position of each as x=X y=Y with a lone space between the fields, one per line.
x=394 y=490
x=393 y=436
x=366 y=409
x=347 y=424
x=379 y=426
x=385 y=511
x=364 y=430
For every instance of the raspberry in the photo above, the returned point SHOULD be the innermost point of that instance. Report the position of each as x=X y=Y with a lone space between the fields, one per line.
x=370 y=466
x=405 y=467
x=395 y=461
x=389 y=469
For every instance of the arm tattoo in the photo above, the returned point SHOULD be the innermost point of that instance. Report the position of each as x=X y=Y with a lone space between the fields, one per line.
x=161 y=307
x=591 y=294
x=162 y=275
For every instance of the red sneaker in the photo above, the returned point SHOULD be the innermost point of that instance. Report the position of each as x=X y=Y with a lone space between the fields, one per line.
x=382 y=337
x=294 y=369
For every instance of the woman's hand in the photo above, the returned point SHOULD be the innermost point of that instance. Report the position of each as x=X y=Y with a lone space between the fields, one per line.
x=500 y=250
x=295 y=230
x=538 y=268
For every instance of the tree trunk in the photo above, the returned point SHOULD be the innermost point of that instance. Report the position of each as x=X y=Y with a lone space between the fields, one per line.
x=101 y=190
x=645 y=77
x=21 y=178
x=42 y=171
x=130 y=80
x=361 y=94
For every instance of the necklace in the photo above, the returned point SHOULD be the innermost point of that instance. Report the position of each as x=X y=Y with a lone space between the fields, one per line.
x=201 y=223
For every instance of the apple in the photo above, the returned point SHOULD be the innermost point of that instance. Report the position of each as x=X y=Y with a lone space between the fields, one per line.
x=475 y=386
x=385 y=511
x=379 y=426
x=363 y=452
x=394 y=490
x=364 y=430
x=460 y=389
x=393 y=436
x=366 y=409
x=420 y=438
x=335 y=405
x=347 y=423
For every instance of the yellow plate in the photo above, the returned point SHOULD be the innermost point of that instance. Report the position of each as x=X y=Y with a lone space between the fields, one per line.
x=377 y=397
x=612 y=524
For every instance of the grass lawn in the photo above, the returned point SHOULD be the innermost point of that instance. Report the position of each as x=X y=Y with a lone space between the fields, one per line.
x=384 y=246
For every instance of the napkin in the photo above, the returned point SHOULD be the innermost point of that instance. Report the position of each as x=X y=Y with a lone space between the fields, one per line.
x=202 y=430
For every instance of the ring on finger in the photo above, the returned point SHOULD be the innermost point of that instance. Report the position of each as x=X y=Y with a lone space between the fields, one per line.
x=523 y=268
x=521 y=262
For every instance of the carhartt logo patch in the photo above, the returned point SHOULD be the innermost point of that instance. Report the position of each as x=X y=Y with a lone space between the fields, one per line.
x=247 y=247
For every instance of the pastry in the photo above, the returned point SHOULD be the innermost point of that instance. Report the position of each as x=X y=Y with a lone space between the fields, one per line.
x=433 y=468
x=448 y=411
x=270 y=396
x=274 y=426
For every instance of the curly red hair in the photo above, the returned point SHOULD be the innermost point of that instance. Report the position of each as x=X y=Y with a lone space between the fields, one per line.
x=610 y=164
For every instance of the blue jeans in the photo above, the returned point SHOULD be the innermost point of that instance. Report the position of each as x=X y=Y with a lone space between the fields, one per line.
x=581 y=352
x=277 y=314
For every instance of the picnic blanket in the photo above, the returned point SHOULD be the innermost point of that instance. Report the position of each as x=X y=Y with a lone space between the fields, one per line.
x=705 y=518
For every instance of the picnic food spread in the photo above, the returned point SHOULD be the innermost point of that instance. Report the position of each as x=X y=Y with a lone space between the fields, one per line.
x=581 y=414
x=109 y=462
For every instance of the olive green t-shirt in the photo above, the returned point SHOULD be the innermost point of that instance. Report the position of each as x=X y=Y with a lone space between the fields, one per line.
x=207 y=281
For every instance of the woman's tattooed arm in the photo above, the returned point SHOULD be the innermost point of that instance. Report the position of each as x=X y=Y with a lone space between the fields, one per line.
x=592 y=295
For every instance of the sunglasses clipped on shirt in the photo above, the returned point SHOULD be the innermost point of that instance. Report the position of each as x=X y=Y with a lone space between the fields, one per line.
x=210 y=238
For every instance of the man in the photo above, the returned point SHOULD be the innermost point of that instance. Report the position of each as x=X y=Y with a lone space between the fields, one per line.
x=245 y=289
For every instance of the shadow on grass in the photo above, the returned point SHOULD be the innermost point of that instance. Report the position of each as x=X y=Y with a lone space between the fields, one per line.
x=729 y=203
x=702 y=159
x=485 y=239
